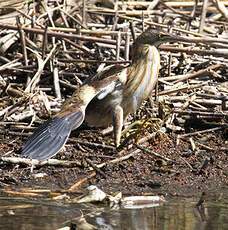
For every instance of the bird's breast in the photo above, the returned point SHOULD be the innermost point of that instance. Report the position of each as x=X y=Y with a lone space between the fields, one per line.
x=142 y=78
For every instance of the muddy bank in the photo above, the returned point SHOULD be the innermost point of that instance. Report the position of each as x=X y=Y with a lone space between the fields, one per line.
x=157 y=166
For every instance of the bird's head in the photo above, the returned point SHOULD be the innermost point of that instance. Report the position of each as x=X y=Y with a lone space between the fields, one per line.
x=153 y=37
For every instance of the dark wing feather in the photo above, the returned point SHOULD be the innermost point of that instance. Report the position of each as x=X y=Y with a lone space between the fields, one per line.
x=50 y=137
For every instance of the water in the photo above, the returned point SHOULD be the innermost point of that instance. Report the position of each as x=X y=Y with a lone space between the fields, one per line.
x=175 y=214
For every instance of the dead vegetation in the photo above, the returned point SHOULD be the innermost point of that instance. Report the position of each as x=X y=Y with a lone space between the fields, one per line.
x=49 y=48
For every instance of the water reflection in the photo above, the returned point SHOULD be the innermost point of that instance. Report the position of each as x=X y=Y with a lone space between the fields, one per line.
x=178 y=214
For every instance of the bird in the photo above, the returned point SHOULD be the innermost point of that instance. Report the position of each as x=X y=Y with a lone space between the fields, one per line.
x=104 y=99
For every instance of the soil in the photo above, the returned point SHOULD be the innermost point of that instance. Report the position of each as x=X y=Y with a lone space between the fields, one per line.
x=189 y=173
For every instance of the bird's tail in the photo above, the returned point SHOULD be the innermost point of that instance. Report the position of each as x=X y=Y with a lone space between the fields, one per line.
x=51 y=136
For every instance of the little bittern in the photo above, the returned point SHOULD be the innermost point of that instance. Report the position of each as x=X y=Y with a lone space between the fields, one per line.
x=105 y=99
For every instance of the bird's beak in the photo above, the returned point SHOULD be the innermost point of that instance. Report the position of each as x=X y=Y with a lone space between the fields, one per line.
x=169 y=38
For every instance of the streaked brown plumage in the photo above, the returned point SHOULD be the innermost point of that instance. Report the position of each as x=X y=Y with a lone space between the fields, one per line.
x=105 y=99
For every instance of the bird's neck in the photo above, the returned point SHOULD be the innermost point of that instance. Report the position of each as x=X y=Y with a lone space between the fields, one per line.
x=141 y=53
x=143 y=75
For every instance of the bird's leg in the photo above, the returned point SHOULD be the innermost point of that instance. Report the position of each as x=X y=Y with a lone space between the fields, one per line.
x=107 y=131
x=117 y=124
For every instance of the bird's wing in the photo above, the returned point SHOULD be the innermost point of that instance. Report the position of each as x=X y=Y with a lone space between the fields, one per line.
x=50 y=137
x=116 y=75
x=107 y=72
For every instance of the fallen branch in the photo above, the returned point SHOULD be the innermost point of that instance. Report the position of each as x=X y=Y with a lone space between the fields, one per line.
x=200 y=132
x=143 y=148
x=50 y=162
